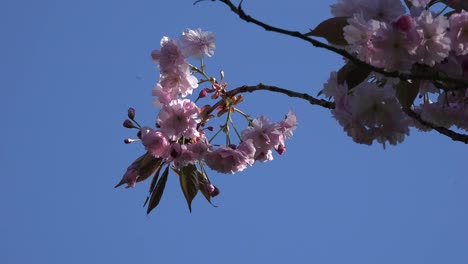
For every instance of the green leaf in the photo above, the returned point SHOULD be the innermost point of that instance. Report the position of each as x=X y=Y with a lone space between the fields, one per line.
x=331 y=30
x=158 y=191
x=406 y=92
x=189 y=183
x=352 y=75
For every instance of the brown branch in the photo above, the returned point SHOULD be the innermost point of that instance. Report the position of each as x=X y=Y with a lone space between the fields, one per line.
x=442 y=130
x=438 y=76
x=331 y=105
x=312 y=100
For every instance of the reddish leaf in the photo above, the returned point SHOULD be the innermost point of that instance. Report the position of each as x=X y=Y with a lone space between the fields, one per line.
x=331 y=30
x=148 y=165
x=153 y=184
x=352 y=75
x=406 y=92
x=158 y=191
x=188 y=177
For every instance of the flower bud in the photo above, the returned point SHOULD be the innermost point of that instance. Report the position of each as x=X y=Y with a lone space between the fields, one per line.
x=203 y=93
x=210 y=128
x=211 y=189
x=128 y=124
x=131 y=113
x=129 y=140
x=215 y=95
x=281 y=149
x=403 y=23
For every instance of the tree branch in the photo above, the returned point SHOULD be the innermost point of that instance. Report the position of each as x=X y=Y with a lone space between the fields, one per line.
x=312 y=100
x=438 y=76
x=435 y=77
x=331 y=105
x=442 y=130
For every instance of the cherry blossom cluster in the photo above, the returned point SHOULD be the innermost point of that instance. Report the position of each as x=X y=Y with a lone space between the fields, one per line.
x=179 y=137
x=426 y=39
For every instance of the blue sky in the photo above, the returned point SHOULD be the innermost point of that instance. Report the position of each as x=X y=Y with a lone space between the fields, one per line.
x=70 y=70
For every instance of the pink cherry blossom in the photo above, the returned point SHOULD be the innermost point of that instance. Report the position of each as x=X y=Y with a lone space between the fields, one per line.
x=379 y=111
x=265 y=136
x=163 y=95
x=228 y=160
x=459 y=32
x=198 y=43
x=381 y=10
x=418 y=3
x=179 y=82
x=170 y=56
x=368 y=112
x=289 y=124
x=435 y=45
x=180 y=155
x=179 y=118
x=358 y=33
x=155 y=142
x=451 y=108
x=393 y=49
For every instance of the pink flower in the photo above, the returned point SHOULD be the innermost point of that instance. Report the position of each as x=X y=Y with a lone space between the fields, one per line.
x=368 y=112
x=199 y=148
x=392 y=48
x=155 y=142
x=358 y=33
x=230 y=160
x=379 y=111
x=288 y=124
x=265 y=135
x=181 y=156
x=459 y=32
x=435 y=45
x=420 y=2
x=179 y=82
x=170 y=56
x=345 y=8
x=381 y=10
x=450 y=109
x=164 y=95
x=198 y=43
x=178 y=119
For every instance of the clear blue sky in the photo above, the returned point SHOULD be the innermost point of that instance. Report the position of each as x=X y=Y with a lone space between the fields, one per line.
x=69 y=71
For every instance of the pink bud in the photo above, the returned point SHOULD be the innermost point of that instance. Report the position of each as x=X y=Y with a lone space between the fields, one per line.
x=403 y=23
x=281 y=149
x=203 y=93
x=129 y=140
x=211 y=189
x=210 y=128
x=215 y=95
x=131 y=113
x=128 y=124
